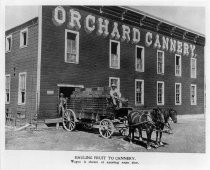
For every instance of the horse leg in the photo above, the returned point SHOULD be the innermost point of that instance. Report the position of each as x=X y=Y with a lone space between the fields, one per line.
x=140 y=134
x=149 y=134
x=160 y=142
x=130 y=134
x=156 y=141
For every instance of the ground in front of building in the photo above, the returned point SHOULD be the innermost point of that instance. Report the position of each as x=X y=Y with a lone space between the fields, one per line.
x=188 y=137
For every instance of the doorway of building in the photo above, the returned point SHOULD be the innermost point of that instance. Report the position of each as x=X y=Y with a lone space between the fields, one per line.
x=67 y=89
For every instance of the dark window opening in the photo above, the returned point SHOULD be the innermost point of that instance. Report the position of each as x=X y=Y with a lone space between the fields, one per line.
x=139 y=52
x=60 y=15
x=22 y=97
x=9 y=44
x=71 y=36
x=114 y=48
x=24 y=38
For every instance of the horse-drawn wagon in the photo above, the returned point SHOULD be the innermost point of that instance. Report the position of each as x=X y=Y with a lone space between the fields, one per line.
x=93 y=108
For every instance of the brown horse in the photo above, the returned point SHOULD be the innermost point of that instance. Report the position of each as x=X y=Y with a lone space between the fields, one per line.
x=144 y=120
x=167 y=113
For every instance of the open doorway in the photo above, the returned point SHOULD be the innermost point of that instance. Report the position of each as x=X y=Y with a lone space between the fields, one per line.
x=67 y=89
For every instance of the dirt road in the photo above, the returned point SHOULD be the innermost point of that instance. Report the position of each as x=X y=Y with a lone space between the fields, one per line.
x=188 y=137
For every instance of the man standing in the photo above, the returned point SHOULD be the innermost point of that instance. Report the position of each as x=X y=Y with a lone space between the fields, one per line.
x=62 y=104
x=115 y=95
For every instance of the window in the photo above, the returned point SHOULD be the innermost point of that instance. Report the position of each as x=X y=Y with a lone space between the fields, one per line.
x=114 y=55
x=160 y=62
x=178 y=94
x=71 y=46
x=24 y=38
x=139 y=92
x=178 y=65
x=139 y=58
x=193 y=94
x=114 y=80
x=7 y=89
x=8 y=43
x=193 y=67
x=160 y=93
x=22 y=88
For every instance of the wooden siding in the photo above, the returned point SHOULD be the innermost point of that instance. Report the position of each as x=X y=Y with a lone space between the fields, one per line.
x=93 y=68
x=23 y=60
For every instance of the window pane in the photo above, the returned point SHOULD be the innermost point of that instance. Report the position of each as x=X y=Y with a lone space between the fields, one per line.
x=71 y=36
x=160 y=92
x=139 y=93
x=24 y=38
x=160 y=62
x=114 y=48
x=71 y=47
x=139 y=59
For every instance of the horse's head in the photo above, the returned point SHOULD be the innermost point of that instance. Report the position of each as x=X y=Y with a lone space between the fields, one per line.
x=173 y=115
x=158 y=115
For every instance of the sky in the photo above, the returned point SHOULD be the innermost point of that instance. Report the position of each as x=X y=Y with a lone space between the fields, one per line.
x=192 y=18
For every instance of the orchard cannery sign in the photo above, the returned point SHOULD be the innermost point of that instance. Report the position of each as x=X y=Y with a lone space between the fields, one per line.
x=128 y=34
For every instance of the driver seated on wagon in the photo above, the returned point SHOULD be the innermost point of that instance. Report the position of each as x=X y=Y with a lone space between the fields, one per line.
x=116 y=96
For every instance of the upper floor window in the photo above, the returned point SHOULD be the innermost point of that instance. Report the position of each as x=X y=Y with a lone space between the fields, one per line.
x=178 y=94
x=71 y=46
x=8 y=43
x=193 y=93
x=139 y=58
x=139 y=92
x=178 y=65
x=114 y=80
x=7 y=89
x=24 y=37
x=193 y=67
x=160 y=62
x=160 y=93
x=22 y=88
x=114 y=55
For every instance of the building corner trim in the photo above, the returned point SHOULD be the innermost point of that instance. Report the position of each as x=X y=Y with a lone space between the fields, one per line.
x=39 y=59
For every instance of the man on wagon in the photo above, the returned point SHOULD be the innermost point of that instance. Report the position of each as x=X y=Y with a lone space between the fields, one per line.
x=115 y=95
x=62 y=104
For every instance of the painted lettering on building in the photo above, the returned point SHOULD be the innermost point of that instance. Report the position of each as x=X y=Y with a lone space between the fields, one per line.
x=123 y=32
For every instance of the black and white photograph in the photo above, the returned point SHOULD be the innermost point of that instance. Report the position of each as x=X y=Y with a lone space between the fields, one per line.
x=107 y=85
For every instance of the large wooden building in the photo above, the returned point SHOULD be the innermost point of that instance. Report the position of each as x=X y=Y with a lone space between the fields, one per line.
x=152 y=61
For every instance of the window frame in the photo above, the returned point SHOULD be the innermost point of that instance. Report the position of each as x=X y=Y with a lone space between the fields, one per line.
x=77 y=46
x=180 y=97
x=22 y=38
x=118 y=79
x=195 y=94
x=180 y=74
x=7 y=37
x=163 y=65
x=191 y=72
x=142 y=95
x=143 y=54
x=163 y=95
x=110 y=54
x=7 y=75
x=19 y=92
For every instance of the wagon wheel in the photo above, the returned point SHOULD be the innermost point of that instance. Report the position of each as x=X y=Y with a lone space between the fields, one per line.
x=69 y=118
x=106 y=128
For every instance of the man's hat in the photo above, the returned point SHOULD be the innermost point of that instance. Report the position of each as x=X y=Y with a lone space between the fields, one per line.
x=61 y=94
x=114 y=85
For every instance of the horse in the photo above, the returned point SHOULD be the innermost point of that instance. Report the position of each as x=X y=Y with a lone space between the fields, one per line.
x=167 y=113
x=143 y=120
